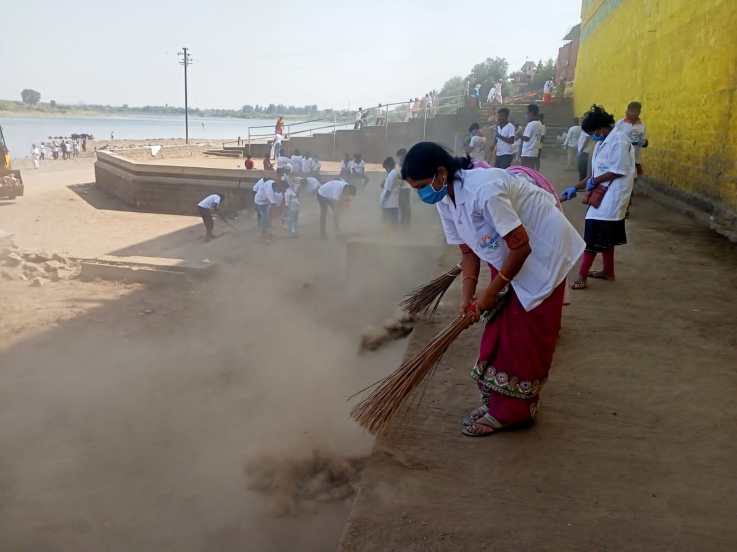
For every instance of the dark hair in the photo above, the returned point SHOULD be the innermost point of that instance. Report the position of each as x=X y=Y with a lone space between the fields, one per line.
x=503 y=111
x=596 y=118
x=634 y=105
x=474 y=127
x=389 y=163
x=350 y=189
x=401 y=152
x=424 y=158
x=533 y=108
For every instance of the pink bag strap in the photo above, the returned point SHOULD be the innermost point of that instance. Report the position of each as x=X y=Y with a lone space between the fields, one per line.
x=538 y=179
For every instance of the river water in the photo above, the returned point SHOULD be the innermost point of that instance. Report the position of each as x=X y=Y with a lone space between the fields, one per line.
x=21 y=132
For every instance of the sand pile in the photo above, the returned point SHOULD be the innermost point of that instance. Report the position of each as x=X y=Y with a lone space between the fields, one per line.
x=300 y=483
x=36 y=267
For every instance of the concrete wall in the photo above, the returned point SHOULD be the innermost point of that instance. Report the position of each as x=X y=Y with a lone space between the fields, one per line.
x=679 y=57
x=172 y=189
x=375 y=143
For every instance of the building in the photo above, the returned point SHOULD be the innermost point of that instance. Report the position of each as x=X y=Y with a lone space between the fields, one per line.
x=679 y=58
x=525 y=75
x=565 y=66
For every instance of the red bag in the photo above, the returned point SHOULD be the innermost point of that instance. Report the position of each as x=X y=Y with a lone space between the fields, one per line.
x=595 y=196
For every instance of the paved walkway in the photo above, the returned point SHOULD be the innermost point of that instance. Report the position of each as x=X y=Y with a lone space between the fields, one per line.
x=636 y=443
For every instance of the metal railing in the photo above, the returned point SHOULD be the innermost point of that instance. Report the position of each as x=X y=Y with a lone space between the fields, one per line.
x=383 y=115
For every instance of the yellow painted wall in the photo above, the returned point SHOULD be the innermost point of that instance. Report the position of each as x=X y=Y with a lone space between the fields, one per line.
x=679 y=58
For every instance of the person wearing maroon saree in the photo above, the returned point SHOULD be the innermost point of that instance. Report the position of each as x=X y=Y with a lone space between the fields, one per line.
x=508 y=221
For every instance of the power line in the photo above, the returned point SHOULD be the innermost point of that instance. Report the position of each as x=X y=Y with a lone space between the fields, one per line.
x=186 y=61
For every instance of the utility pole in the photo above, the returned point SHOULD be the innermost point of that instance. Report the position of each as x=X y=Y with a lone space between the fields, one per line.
x=186 y=61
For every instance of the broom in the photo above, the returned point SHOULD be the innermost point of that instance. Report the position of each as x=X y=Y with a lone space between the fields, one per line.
x=421 y=299
x=376 y=411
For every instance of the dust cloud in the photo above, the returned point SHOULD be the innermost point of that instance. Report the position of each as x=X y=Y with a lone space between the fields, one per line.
x=207 y=416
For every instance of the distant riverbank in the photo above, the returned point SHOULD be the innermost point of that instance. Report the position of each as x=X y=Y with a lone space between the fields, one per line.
x=248 y=112
x=23 y=130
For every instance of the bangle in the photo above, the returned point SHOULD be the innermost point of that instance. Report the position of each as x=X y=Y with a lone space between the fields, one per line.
x=503 y=277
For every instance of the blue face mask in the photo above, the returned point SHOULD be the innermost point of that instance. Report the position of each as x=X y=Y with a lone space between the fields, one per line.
x=430 y=195
x=598 y=138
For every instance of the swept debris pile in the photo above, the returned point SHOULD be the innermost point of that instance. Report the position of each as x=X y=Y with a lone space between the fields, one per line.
x=391 y=329
x=296 y=484
x=36 y=267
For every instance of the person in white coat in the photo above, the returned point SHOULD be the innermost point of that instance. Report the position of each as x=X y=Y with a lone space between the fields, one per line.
x=36 y=156
x=207 y=207
x=389 y=198
x=608 y=193
x=334 y=196
x=570 y=143
x=504 y=220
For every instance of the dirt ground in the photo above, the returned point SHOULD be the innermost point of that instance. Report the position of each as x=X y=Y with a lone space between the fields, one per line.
x=130 y=412
x=635 y=445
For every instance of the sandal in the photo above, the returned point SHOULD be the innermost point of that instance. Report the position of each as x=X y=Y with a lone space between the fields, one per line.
x=475 y=415
x=488 y=424
x=579 y=284
x=601 y=275
x=485 y=425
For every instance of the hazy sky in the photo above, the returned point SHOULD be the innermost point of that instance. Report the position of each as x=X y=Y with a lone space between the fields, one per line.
x=332 y=53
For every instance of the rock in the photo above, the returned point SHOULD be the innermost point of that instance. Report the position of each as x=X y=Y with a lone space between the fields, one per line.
x=38 y=282
x=31 y=269
x=54 y=265
x=7 y=275
x=13 y=259
x=37 y=257
x=59 y=258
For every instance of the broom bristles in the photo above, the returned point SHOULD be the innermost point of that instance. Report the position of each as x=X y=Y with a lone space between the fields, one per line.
x=422 y=298
x=376 y=411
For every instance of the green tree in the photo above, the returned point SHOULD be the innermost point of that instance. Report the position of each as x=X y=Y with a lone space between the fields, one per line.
x=30 y=96
x=487 y=73
x=543 y=73
x=454 y=86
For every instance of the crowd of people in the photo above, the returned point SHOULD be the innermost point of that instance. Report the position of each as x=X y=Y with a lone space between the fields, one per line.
x=57 y=149
x=504 y=143
x=278 y=199
x=416 y=108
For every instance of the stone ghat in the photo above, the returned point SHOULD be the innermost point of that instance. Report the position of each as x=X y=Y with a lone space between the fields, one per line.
x=161 y=188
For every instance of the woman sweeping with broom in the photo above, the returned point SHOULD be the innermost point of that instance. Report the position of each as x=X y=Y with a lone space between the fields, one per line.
x=507 y=221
